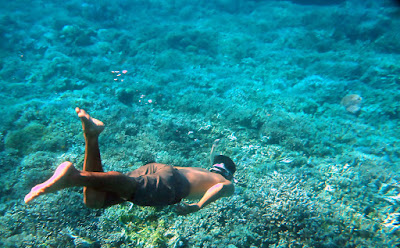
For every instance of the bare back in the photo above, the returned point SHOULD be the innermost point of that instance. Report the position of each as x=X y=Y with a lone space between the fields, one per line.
x=200 y=180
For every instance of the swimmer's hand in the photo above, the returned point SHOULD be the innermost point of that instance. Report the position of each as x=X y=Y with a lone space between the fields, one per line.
x=184 y=208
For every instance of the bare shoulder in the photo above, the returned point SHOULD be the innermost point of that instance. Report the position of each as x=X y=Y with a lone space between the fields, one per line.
x=201 y=180
x=190 y=169
x=200 y=175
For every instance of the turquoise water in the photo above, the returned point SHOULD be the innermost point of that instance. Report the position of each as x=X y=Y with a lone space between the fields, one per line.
x=304 y=96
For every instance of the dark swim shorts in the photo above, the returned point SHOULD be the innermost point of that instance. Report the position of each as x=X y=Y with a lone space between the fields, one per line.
x=159 y=185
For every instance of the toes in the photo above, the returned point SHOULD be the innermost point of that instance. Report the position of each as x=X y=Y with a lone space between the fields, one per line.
x=81 y=113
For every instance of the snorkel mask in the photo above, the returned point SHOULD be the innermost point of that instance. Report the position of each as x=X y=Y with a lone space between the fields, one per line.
x=220 y=169
x=224 y=166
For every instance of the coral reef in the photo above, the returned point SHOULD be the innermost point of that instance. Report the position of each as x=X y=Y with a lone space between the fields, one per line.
x=168 y=78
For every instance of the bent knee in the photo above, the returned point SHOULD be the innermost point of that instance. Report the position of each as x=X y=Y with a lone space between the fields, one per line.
x=93 y=204
x=93 y=198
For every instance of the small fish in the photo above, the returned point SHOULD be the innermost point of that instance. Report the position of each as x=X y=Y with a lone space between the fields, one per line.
x=352 y=103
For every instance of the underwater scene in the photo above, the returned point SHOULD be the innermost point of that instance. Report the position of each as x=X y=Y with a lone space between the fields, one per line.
x=303 y=95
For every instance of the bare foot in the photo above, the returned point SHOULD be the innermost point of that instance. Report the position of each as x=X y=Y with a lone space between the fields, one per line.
x=61 y=179
x=91 y=126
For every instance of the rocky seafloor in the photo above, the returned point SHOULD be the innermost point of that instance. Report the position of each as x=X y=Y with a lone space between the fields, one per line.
x=168 y=78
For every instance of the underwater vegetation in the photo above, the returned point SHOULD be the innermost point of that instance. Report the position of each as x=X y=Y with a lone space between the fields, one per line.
x=303 y=96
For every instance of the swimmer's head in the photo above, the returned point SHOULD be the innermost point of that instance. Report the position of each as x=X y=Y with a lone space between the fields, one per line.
x=224 y=166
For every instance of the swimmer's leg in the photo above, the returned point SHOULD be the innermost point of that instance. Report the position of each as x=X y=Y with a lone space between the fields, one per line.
x=92 y=163
x=114 y=184
x=57 y=182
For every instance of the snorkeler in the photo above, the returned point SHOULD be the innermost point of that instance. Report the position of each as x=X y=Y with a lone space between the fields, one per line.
x=153 y=184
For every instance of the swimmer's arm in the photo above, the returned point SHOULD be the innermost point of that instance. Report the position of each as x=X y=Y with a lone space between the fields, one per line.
x=214 y=193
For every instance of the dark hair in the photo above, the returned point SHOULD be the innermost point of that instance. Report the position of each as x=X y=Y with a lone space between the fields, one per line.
x=229 y=164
